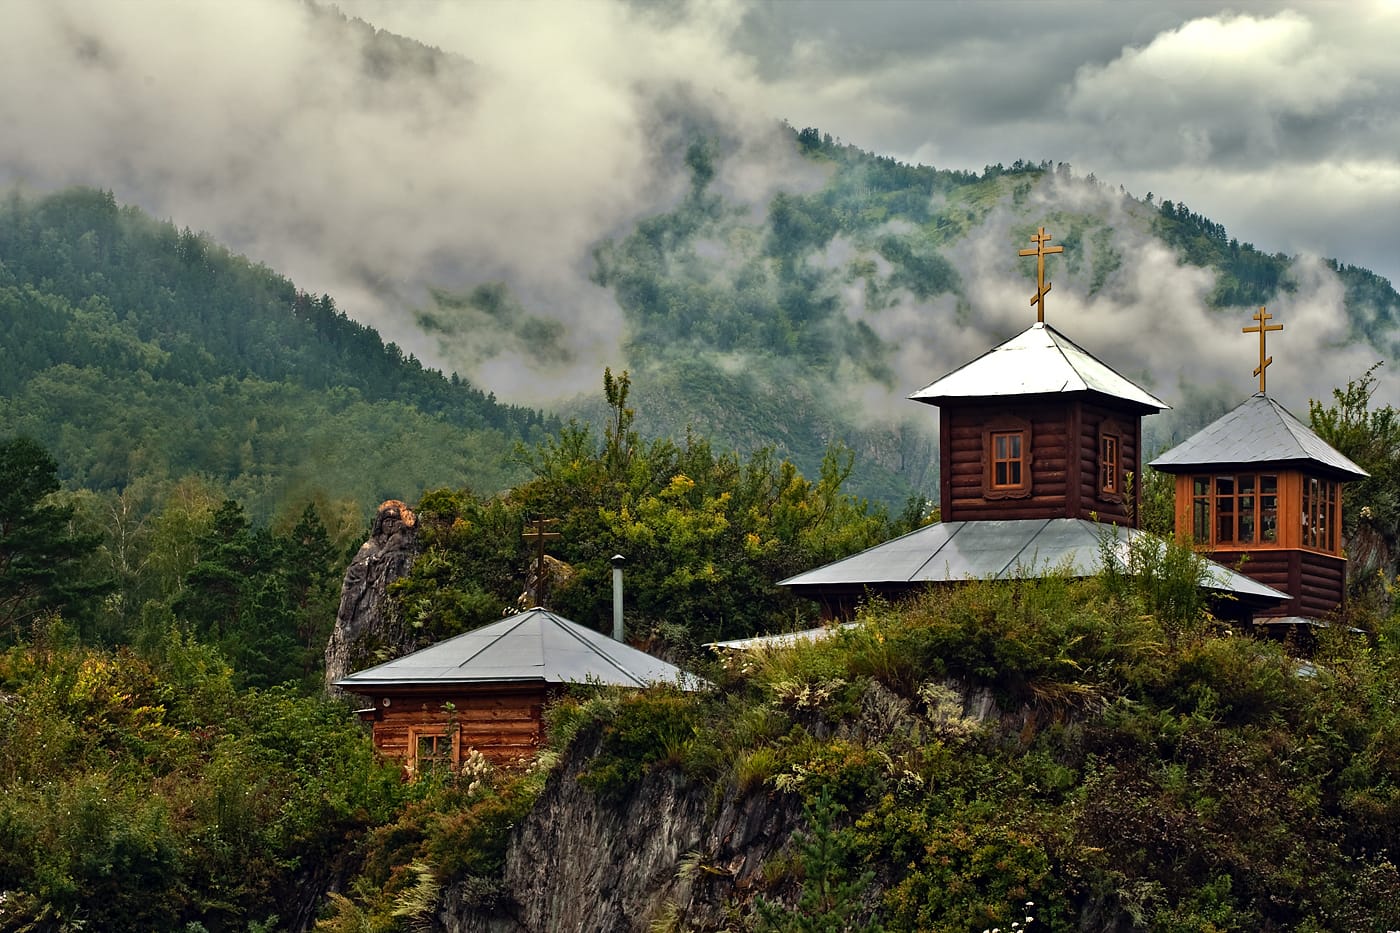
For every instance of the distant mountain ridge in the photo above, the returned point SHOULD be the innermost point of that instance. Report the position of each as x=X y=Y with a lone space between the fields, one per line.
x=768 y=326
x=133 y=348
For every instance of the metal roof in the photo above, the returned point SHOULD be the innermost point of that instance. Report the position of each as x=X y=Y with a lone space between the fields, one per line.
x=947 y=552
x=1258 y=431
x=1037 y=361
x=780 y=640
x=533 y=646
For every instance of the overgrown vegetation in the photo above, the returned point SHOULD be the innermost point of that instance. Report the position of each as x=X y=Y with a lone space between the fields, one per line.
x=1133 y=771
x=151 y=793
x=706 y=535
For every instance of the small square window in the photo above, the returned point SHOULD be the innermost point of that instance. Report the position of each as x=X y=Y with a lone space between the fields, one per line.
x=1007 y=459
x=433 y=750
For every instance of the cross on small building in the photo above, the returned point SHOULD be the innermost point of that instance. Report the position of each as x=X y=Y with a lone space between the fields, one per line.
x=1042 y=286
x=539 y=533
x=1262 y=329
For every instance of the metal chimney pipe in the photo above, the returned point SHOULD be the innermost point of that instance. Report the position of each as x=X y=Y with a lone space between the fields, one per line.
x=617 y=561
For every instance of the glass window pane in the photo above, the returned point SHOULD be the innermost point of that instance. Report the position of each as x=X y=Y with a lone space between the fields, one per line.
x=1224 y=518
x=1200 y=523
x=1246 y=524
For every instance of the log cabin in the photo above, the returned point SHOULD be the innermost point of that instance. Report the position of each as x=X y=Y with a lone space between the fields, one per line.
x=486 y=689
x=1038 y=440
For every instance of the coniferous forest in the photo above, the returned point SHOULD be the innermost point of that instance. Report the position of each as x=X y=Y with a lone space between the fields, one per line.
x=191 y=448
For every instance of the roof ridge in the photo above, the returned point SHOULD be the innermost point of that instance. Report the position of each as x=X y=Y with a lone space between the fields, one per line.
x=471 y=657
x=592 y=647
x=1083 y=384
x=1030 y=539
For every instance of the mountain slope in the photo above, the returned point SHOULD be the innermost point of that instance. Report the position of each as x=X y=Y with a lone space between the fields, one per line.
x=134 y=350
x=807 y=316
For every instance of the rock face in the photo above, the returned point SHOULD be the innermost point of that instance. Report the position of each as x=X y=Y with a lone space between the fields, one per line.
x=367 y=630
x=583 y=864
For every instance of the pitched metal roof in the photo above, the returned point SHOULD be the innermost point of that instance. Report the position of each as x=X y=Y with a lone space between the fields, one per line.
x=1037 y=361
x=533 y=646
x=1258 y=431
x=948 y=552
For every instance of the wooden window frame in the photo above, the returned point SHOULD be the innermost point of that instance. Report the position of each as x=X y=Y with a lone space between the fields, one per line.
x=1006 y=426
x=1321 y=509
x=1112 y=478
x=439 y=731
x=1208 y=505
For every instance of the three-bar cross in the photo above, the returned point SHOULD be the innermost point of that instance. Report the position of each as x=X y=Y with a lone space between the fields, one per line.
x=1042 y=286
x=1262 y=328
x=539 y=534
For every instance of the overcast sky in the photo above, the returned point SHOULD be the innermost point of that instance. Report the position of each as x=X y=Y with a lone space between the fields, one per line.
x=1279 y=120
x=255 y=121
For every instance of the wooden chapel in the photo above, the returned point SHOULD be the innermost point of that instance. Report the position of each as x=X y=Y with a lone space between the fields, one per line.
x=1037 y=440
x=1259 y=491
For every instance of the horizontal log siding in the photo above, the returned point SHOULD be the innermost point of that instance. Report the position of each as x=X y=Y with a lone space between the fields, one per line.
x=1092 y=503
x=502 y=725
x=964 y=455
x=1323 y=579
x=1315 y=581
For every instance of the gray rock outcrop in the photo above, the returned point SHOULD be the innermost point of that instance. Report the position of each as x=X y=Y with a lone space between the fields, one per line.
x=580 y=863
x=367 y=629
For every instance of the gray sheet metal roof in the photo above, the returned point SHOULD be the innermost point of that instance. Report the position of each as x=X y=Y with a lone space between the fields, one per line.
x=1037 y=361
x=1258 y=431
x=990 y=550
x=780 y=640
x=535 y=645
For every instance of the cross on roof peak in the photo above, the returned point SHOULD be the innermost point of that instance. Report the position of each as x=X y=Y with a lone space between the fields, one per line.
x=539 y=532
x=1262 y=329
x=1042 y=286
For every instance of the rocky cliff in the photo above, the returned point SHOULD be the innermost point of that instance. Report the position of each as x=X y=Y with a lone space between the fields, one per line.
x=367 y=629
x=583 y=863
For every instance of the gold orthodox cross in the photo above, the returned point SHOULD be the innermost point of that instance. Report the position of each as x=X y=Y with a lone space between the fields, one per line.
x=1262 y=328
x=1042 y=286
x=539 y=534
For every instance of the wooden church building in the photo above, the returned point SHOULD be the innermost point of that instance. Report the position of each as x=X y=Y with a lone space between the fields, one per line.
x=486 y=689
x=1037 y=441
x=1258 y=490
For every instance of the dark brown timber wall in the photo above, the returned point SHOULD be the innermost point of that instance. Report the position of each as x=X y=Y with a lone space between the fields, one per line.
x=1315 y=581
x=502 y=723
x=1120 y=508
x=1064 y=465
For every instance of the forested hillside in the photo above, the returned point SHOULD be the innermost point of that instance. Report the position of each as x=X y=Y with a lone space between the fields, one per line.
x=139 y=353
x=808 y=317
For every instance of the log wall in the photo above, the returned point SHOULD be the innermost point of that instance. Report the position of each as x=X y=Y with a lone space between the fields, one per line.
x=1064 y=464
x=1120 y=508
x=1315 y=581
x=504 y=724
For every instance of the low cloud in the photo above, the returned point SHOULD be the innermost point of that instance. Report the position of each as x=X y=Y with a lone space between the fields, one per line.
x=362 y=166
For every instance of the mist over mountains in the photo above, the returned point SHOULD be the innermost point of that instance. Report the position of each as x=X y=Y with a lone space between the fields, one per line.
x=525 y=227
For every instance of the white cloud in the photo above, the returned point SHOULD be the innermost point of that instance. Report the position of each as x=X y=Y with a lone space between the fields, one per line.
x=1213 y=83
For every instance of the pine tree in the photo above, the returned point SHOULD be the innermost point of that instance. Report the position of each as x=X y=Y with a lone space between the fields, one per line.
x=40 y=555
